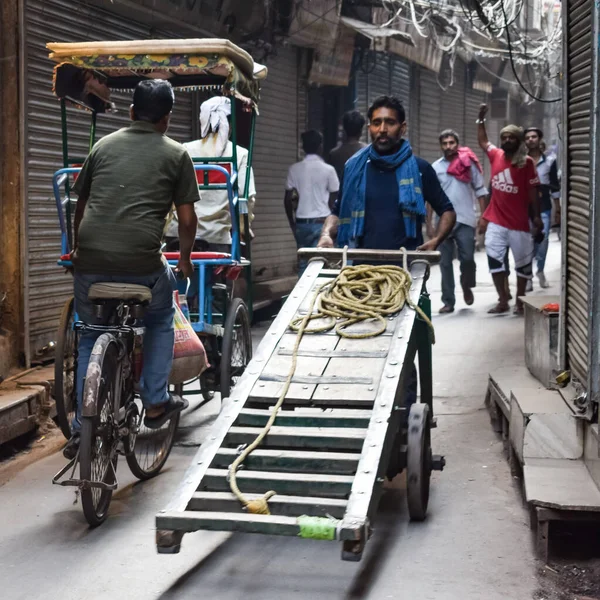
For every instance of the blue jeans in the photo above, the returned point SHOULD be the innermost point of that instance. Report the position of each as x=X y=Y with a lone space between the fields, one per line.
x=541 y=250
x=159 y=336
x=307 y=236
x=464 y=237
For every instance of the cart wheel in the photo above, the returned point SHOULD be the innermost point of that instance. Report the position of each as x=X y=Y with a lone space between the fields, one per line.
x=418 y=461
x=237 y=346
x=65 y=367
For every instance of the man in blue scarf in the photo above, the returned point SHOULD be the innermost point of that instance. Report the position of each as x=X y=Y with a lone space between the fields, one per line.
x=383 y=195
x=384 y=191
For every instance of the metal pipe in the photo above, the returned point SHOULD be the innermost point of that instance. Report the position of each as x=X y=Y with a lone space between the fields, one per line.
x=593 y=366
x=562 y=317
x=369 y=254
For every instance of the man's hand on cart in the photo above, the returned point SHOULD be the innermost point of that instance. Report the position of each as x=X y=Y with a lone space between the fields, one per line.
x=325 y=241
x=429 y=245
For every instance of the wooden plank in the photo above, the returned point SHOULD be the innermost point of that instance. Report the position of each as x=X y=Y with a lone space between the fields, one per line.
x=369 y=326
x=344 y=348
x=327 y=438
x=279 y=367
x=205 y=454
x=334 y=353
x=342 y=396
x=269 y=391
x=306 y=418
x=312 y=342
x=291 y=461
x=292 y=506
x=432 y=257
x=218 y=521
x=368 y=481
x=322 y=379
x=293 y=484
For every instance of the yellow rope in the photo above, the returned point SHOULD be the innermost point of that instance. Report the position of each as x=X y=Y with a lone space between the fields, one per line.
x=357 y=294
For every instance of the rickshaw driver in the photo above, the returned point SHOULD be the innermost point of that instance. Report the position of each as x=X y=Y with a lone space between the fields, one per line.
x=125 y=190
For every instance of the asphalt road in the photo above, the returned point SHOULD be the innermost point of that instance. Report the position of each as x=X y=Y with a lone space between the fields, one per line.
x=475 y=544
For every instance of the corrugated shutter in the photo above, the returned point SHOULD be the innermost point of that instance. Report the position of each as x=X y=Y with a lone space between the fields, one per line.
x=60 y=20
x=274 y=248
x=580 y=72
x=400 y=83
x=430 y=100
x=380 y=75
x=302 y=112
x=453 y=106
x=473 y=100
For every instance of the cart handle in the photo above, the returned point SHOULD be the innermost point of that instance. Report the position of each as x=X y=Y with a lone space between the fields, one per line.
x=432 y=257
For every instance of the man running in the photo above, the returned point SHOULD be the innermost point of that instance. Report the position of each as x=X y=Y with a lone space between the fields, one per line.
x=460 y=176
x=514 y=202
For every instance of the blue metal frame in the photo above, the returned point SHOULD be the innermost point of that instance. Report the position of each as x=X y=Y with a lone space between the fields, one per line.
x=205 y=268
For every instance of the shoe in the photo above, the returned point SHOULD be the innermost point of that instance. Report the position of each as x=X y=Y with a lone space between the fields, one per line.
x=174 y=405
x=542 y=279
x=468 y=296
x=529 y=287
x=72 y=447
x=445 y=310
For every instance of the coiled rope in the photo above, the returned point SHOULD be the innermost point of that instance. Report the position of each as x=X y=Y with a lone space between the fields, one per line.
x=357 y=294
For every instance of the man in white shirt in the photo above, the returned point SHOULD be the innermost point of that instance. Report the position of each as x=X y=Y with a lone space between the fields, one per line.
x=214 y=217
x=311 y=191
x=460 y=176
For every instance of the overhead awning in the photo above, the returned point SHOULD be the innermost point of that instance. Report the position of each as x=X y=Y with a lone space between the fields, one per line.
x=379 y=36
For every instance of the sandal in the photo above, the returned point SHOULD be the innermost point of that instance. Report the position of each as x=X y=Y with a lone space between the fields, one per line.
x=174 y=405
x=499 y=309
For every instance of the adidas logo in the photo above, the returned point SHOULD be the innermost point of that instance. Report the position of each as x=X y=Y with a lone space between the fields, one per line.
x=503 y=183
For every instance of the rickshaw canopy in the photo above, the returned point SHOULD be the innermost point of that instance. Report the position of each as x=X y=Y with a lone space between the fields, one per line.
x=87 y=71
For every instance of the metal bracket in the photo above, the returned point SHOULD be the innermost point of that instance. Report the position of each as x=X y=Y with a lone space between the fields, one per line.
x=438 y=462
x=84 y=484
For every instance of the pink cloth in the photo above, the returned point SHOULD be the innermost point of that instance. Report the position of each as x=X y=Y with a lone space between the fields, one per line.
x=460 y=167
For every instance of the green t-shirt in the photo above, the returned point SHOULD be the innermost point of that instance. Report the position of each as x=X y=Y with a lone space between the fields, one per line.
x=132 y=178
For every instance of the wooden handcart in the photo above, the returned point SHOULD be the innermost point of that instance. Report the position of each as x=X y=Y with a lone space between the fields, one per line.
x=342 y=430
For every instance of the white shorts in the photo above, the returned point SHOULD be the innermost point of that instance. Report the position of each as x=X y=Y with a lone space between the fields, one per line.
x=499 y=239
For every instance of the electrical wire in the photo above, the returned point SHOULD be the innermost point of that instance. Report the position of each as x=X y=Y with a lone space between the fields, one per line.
x=514 y=70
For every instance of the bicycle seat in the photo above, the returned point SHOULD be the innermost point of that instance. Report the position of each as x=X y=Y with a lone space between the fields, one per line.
x=120 y=291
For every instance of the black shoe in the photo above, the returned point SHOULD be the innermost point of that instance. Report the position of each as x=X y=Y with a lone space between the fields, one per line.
x=175 y=405
x=72 y=447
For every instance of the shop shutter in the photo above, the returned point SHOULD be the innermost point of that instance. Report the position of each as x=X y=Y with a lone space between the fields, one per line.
x=400 y=83
x=430 y=95
x=274 y=247
x=473 y=100
x=577 y=179
x=47 y=286
x=453 y=105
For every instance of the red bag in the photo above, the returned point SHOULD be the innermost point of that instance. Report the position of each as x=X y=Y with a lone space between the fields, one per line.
x=189 y=355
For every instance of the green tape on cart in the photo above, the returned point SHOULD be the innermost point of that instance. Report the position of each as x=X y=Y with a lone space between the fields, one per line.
x=317 y=528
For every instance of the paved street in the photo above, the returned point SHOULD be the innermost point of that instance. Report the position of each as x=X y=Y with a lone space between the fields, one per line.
x=475 y=545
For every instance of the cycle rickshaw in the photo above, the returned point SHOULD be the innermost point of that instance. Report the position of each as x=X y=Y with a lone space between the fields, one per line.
x=85 y=76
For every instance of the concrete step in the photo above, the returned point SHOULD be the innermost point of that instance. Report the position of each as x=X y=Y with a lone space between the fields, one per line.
x=26 y=402
x=560 y=484
x=591 y=451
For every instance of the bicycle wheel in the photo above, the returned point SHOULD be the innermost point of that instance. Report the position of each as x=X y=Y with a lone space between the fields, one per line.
x=237 y=346
x=65 y=367
x=97 y=455
x=148 y=449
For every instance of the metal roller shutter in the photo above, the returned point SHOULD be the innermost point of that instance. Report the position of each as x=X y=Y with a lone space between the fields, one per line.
x=578 y=176
x=453 y=106
x=387 y=75
x=400 y=83
x=473 y=100
x=274 y=248
x=47 y=287
x=430 y=95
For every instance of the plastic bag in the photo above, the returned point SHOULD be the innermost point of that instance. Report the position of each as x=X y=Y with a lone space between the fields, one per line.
x=189 y=355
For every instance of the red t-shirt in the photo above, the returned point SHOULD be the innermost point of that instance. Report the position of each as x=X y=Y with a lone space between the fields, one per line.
x=509 y=206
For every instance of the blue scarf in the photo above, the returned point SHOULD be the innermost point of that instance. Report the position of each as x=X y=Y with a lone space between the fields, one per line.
x=410 y=197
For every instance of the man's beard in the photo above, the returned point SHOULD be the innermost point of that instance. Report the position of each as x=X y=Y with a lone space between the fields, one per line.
x=390 y=146
x=510 y=148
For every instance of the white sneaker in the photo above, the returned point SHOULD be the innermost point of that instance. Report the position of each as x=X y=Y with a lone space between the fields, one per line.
x=529 y=287
x=542 y=279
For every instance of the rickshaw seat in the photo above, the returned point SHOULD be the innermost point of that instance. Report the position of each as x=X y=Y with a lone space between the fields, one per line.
x=120 y=291
x=198 y=255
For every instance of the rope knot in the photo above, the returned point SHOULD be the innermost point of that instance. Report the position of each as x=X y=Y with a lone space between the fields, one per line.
x=260 y=506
